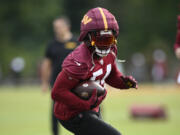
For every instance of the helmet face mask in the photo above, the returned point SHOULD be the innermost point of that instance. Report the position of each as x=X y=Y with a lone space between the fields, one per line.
x=102 y=41
x=102 y=53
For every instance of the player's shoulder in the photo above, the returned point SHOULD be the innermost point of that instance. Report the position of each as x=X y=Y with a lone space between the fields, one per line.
x=49 y=48
x=78 y=62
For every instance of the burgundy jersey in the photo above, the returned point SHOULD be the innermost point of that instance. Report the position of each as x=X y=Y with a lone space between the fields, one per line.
x=92 y=68
x=177 y=43
x=81 y=65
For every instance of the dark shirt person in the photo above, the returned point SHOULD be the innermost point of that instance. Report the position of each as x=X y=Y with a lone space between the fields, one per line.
x=63 y=43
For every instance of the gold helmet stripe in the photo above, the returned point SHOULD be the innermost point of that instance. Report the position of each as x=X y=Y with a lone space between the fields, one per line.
x=104 y=19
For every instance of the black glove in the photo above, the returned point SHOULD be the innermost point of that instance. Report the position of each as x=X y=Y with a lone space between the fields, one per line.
x=130 y=82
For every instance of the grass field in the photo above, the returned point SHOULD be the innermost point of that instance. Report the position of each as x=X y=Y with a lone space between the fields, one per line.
x=25 y=110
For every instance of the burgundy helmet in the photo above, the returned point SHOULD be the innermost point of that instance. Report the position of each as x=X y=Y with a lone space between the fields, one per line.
x=98 y=19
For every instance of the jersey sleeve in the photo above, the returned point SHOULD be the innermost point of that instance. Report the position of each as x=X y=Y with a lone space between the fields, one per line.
x=77 y=69
x=177 y=42
x=62 y=91
x=115 y=78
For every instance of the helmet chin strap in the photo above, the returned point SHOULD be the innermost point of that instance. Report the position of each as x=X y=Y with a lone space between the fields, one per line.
x=102 y=53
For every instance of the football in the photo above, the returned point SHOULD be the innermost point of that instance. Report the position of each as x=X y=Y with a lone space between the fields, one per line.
x=84 y=90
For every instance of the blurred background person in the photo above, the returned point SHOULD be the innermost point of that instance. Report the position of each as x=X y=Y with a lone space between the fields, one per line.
x=177 y=47
x=139 y=67
x=17 y=66
x=62 y=44
x=159 y=67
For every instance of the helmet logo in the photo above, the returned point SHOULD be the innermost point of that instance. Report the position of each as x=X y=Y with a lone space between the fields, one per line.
x=86 y=19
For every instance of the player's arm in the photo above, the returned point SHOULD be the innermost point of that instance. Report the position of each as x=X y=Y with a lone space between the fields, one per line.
x=177 y=43
x=61 y=92
x=117 y=80
x=45 y=74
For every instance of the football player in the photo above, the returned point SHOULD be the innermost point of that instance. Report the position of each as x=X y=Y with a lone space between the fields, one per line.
x=93 y=60
x=177 y=47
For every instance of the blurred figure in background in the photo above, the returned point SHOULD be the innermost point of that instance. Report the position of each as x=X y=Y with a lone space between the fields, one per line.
x=159 y=68
x=177 y=47
x=139 y=67
x=17 y=66
x=63 y=43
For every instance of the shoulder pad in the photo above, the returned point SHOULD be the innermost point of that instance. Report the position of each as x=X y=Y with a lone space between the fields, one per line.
x=78 y=62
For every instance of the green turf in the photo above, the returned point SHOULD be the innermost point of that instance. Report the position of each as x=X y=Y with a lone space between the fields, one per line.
x=25 y=110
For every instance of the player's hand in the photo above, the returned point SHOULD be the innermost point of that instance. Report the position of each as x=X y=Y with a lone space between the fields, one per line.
x=85 y=105
x=92 y=100
x=101 y=98
x=130 y=82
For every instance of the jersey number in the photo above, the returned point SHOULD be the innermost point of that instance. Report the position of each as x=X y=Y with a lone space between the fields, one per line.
x=100 y=72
